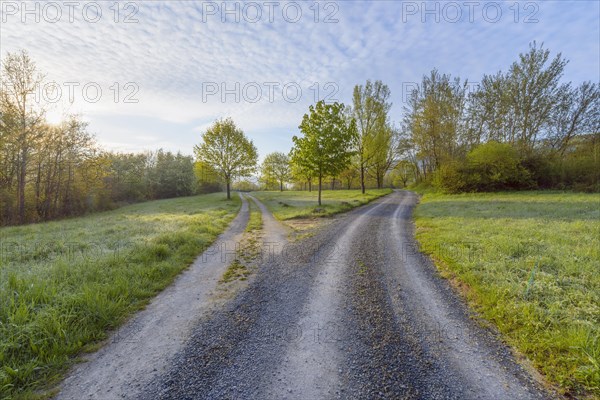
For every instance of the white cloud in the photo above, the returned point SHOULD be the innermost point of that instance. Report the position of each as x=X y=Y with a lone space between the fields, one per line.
x=171 y=52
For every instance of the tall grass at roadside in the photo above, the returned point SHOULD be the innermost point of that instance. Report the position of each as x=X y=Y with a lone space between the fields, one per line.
x=65 y=284
x=531 y=261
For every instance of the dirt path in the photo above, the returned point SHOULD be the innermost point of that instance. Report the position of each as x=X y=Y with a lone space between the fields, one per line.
x=141 y=351
x=352 y=312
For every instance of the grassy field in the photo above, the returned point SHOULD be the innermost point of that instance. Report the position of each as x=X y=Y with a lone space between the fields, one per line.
x=531 y=263
x=303 y=204
x=64 y=284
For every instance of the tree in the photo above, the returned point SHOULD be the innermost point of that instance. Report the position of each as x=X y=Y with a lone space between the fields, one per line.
x=577 y=113
x=371 y=108
x=326 y=147
x=276 y=167
x=19 y=80
x=207 y=178
x=434 y=120
x=518 y=107
x=226 y=149
x=403 y=171
x=348 y=176
x=301 y=172
x=386 y=147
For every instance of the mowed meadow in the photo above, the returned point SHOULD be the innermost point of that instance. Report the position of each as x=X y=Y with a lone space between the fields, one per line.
x=65 y=284
x=531 y=265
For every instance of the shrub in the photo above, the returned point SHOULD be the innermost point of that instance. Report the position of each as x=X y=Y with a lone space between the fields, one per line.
x=495 y=166
x=451 y=178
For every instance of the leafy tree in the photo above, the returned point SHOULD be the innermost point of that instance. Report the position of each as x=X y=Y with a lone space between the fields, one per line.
x=326 y=147
x=386 y=151
x=434 y=119
x=172 y=175
x=300 y=172
x=226 y=149
x=370 y=110
x=207 y=178
x=521 y=106
x=403 y=171
x=276 y=167
x=19 y=80
x=348 y=176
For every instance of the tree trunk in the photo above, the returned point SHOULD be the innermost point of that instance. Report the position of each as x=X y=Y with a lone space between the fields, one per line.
x=21 y=186
x=228 y=189
x=320 y=181
x=281 y=186
x=309 y=185
x=362 y=178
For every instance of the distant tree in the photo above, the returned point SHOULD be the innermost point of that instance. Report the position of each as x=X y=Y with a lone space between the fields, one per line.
x=300 y=172
x=326 y=147
x=207 y=178
x=226 y=149
x=370 y=110
x=577 y=113
x=276 y=167
x=18 y=81
x=404 y=170
x=172 y=175
x=434 y=117
x=348 y=176
x=386 y=150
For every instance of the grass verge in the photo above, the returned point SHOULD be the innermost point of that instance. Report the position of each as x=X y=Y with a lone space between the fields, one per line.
x=531 y=263
x=65 y=284
x=241 y=268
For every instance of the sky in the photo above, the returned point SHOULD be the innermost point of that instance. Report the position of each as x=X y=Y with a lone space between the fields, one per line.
x=156 y=74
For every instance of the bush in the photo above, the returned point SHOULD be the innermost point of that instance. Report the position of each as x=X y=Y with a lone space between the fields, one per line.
x=496 y=166
x=451 y=178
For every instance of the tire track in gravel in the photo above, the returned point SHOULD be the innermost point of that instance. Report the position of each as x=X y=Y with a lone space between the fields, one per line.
x=417 y=333
x=141 y=350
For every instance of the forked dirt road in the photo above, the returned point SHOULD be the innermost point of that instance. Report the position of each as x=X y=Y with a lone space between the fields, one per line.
x=352 y=312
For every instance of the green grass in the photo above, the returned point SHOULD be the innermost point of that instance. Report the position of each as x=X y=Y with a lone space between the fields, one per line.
x=238 y=269
x=255 y=220
x=531 y=261
x=65 y=284
x=303 y=204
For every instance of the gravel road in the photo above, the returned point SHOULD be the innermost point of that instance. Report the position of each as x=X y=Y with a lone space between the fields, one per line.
x=351 y=312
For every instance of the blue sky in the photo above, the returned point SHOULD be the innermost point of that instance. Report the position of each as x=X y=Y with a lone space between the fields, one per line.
x=175 y=58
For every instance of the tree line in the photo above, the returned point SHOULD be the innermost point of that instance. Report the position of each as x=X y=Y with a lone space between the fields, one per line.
x=520 y=129
x=50 y=171
x=523 y=128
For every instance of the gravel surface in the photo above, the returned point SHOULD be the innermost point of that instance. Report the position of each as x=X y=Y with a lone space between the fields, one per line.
x=352 y=312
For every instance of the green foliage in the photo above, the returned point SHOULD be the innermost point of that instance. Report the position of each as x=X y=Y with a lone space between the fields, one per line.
x=495 y=166
x=227 y=150
x=300 y=204
x=208 y=180
x=326 y=145
x=492 y=242
x=64 y=284
x=527 y=108
x=488 y=167
x=275 y=169
x=374 y=145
